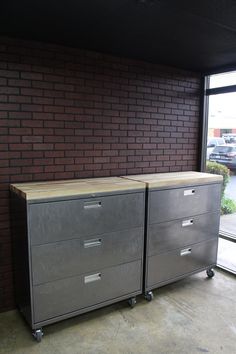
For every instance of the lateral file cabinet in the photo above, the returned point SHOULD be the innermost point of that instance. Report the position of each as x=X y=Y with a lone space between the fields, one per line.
x=182 y=225
x=78 y=246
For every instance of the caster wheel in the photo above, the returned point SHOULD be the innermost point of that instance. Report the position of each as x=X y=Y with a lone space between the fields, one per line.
x=149 y=296
x=132 y=302
x=210 y=273
x=38 y=335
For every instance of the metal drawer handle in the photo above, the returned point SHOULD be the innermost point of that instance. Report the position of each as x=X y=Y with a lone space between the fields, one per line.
x=189 y=192
x=187 y=222
x=93 y=204
x=186 y=251
x=93 y=243
x=92 y=277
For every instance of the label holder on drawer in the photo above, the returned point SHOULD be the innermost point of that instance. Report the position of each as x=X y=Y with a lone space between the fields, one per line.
x=189 y=192
x=185 y=252
x=186 y=223
x=92 y=204
x=92 y=243
x=93 y=277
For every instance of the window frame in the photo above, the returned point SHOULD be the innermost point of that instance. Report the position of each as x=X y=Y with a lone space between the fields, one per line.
x=206 y=92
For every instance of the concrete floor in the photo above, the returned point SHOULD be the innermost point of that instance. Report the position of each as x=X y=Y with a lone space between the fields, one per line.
x=195 y=315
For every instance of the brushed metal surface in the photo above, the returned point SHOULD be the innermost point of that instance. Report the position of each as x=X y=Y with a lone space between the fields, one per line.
x=73 y=257
x=55 y=221
x=85 y=309
x=172 y=264
x=21 y=257
x=70 y=294
x=171 y=204
x=179 y=233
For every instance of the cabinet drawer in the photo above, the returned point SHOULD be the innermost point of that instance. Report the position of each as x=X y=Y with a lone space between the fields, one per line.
x=168 y=266
x=78 y=256
x=74 y=293
x=55 y=221
x=166 y=205
x=174 y=234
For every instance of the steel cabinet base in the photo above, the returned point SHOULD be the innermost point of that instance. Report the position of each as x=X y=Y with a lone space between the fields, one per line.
x=78 y=252
x=182 y=234
x=182 y=226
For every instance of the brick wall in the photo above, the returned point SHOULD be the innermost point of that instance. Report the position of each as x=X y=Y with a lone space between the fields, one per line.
x=67 y=113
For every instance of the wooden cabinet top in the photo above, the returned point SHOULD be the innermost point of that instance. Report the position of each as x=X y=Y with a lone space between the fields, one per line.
x=38 y=191
x=175 y=179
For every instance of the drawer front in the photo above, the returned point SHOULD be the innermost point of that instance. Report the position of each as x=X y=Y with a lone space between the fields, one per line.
x=174 y=234
x=71 y=294
x=59 y=260
x=63 y=220
x=168 y=266
x=171 y=204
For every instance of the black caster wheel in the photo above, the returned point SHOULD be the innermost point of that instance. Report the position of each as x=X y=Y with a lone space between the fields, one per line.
x=210 y=273
x=132 y=302
x=38 y=335
x=149 y=296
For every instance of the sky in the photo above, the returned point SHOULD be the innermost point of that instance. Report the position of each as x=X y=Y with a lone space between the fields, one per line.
x=222 y=108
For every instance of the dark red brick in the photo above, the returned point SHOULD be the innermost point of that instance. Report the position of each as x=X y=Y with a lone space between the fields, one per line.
x=31 y=76
x=63 y=119
x=43 y=146
x=9 y=107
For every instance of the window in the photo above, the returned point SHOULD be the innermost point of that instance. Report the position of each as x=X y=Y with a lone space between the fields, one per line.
x=220 y=147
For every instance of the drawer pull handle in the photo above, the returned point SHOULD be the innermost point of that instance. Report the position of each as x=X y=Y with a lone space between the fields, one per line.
x=185 y=252
x=187 y=222
x=92 y=277
x=189 y=192
x=93 y=243
x=92 y=205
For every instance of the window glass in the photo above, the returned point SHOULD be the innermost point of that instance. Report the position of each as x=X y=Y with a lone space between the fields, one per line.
x=225 y=79
x=223 y=149
x=222 y=127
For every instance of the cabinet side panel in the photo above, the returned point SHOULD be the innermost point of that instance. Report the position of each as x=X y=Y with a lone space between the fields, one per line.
x=20 y=256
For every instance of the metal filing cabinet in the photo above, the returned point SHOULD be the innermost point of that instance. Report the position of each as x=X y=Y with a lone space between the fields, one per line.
x=78 y=246
x=182 y=226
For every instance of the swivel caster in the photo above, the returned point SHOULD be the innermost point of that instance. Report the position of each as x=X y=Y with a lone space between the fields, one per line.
x=38 y=334
x=132 y=302
x=149 y=296
x=210 y=273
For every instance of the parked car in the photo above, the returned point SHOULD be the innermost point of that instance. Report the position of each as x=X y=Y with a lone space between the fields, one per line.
x=229 y=138
x=225 y=155
x=212 y=143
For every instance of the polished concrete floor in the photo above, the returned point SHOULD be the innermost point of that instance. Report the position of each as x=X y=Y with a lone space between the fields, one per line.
x=195 y=315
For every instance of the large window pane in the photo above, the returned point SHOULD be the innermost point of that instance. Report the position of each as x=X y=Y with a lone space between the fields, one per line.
x=225 y=79
x=221 y=148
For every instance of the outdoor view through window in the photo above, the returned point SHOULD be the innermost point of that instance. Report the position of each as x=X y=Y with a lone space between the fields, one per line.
x=221 y=149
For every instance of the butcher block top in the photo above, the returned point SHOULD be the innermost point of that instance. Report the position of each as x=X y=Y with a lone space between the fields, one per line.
x=41 y=191
x=175 y=179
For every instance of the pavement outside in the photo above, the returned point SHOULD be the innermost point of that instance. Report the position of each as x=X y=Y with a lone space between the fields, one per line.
x=227 y=255
x=194 y=315
x=230 y=190
x=227 y=249
x=228 y=224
